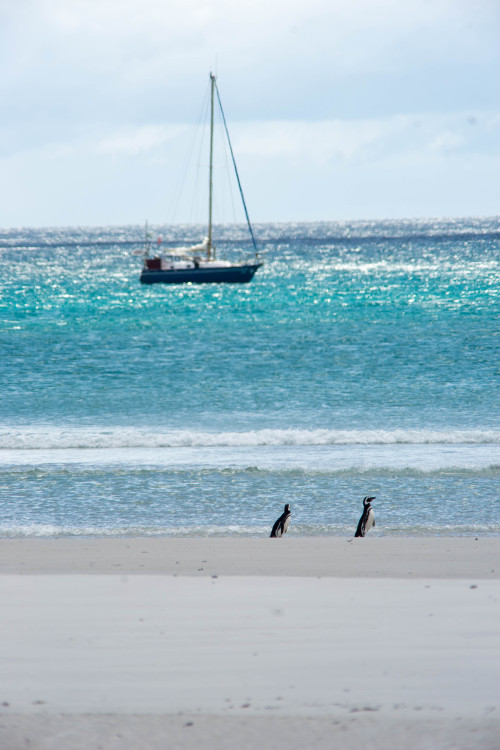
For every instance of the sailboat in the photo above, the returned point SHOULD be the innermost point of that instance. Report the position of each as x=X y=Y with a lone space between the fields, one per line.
x=198 y=263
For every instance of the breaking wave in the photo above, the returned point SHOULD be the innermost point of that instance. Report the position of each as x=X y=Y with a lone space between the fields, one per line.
x=47 y=438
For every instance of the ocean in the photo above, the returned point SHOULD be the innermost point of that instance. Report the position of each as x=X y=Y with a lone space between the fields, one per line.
x=363 y=359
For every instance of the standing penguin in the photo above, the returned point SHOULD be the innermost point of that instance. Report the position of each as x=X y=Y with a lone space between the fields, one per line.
x=367 y=519
x=282 y=524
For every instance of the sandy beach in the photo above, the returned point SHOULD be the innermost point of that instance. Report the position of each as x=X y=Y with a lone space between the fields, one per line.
x=250 y=642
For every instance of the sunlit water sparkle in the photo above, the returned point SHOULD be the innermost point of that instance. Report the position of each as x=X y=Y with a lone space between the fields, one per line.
x=362 y=359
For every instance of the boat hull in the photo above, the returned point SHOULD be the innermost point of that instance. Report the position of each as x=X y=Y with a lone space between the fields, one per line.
x=236 y=274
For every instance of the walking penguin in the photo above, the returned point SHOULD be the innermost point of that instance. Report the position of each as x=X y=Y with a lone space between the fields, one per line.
x=367 y=519
x=282 y=524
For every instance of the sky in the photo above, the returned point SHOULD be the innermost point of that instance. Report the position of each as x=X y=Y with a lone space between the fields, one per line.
x=337 y=109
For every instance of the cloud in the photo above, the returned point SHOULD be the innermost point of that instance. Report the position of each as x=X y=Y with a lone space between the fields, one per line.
x=311 y=89
x=139 y=140
x=351 y=141
x=394 y=167
x=146 y=42
x=423 y=136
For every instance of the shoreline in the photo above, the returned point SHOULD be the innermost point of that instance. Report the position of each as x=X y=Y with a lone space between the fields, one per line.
x=371 y=557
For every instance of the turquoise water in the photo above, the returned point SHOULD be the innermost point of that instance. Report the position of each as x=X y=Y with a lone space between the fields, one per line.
x=362 y=359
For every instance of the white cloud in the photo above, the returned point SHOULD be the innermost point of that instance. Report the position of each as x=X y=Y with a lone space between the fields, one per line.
x=137 y=140
x=418 y=165
x=312 y=88
x=447 y=141
x=149 y=38
x=355 y=141
x=366 y=140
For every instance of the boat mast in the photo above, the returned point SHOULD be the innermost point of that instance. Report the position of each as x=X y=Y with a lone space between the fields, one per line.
x=210 y=180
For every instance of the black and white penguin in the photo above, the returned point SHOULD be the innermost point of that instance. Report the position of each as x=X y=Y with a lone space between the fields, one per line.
x=367 y=519
x=282 y=524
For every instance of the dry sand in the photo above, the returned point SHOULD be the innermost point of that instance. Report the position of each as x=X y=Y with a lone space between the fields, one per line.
x=250 y=643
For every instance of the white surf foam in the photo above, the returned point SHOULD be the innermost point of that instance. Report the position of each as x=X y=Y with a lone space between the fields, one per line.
x=305 y=458
x=83 y=438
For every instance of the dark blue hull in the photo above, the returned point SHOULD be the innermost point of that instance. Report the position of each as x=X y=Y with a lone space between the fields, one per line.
x=230 y=275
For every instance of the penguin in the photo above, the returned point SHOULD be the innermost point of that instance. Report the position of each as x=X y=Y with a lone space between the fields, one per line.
x=367 y=519
x=282 y=524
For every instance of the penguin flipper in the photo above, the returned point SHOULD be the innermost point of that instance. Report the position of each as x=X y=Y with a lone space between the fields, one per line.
x=277 y=531
x=360 y=531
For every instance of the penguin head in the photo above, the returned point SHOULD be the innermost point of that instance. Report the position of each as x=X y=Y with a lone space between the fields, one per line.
x=287 y=508
x=367 y=501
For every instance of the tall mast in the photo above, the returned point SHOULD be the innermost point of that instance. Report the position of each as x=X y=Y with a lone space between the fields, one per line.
x=210 y=182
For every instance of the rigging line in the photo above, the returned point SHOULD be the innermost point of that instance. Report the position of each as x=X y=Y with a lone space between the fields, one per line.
x=224 y=196
x=198 y=196
x=228 y=173
x=236 y=169
x=190 y=165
